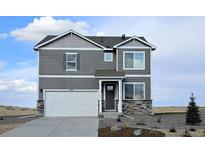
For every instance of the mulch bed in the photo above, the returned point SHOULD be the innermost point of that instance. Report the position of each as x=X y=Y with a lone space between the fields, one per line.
x=128 y=132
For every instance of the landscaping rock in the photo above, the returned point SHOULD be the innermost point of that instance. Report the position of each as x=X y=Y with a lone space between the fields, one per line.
x=115 y=128
x=137 y=132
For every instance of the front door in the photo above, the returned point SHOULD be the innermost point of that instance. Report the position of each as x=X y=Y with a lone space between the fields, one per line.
x=110 y=97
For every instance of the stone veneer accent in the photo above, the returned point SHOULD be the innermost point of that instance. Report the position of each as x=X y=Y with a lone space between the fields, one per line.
x=40 y=107
x=137 y=107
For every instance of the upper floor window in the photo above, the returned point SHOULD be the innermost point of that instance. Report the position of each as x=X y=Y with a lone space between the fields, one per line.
x=71 y=61
x=133 y=60
x=108 y=57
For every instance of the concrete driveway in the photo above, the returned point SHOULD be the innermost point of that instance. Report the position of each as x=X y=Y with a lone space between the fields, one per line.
x=57 y=127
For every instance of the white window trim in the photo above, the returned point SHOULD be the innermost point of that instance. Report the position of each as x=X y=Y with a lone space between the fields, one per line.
x=124 y=52
x=105 y=57
x=76 y=61
x=133 y=90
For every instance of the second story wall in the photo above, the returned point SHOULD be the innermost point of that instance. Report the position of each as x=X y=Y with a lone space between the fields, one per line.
x=146 y=71
x=51 y=62
x=134 y=46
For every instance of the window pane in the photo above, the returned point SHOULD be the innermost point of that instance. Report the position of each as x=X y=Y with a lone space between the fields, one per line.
x=71 y=65
x=139 y=60
x=71 y=57
x=139 y=91
x=129 y=60
x=129 y=91
x=108 y=56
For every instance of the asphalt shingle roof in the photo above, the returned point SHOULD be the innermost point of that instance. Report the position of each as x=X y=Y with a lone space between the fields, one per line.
x=106 y=41
x=106 y=72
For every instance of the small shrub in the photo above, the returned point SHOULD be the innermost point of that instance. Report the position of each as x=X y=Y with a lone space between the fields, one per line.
x=9 y=108
x=193 y=115
x=119 y=119
x=125 y=125
x=159 y=119
x=154 y=127
x=141 y=123
x=172 y=130
x=186 y=133
x=192 y=129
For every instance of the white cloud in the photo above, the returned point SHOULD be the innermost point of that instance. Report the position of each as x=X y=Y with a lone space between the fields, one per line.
x=3 y=36
x=2 y=64
x=100 y=34
x=27 y=63
x=40 y=27
x=21 y=79
x=17 y=85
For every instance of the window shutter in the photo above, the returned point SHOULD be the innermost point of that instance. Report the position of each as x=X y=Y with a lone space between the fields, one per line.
x=78 y=61
x=64 y=61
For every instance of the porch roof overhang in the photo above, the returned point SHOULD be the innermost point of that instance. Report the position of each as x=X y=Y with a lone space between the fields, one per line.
x=109 y=74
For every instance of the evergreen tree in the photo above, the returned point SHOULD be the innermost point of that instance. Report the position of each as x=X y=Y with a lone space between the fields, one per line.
x=192 y=115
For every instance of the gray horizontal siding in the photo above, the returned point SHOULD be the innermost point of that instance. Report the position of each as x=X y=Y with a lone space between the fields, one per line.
x=71 y=41
x=51 y=62
x=133 y=43
x=67 y=83
x=147 y=61
x=147 y=84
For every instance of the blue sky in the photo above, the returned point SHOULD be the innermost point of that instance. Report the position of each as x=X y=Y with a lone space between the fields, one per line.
x=178 y=62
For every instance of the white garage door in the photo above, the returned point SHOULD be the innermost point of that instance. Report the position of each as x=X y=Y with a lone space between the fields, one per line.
x=66 y=103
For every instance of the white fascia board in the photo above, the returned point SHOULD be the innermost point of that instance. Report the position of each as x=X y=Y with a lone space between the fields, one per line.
x=101 y=80
x=135 y=37
x=135 y=75
x=108 y=77
x=127 y=47
x=66 y=76
x=92 y=76
x=63 y=34
x=48 y=48
x=70 y=90
x=38 y=68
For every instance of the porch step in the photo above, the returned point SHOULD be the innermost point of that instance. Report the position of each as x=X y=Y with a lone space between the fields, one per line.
x=110 y=115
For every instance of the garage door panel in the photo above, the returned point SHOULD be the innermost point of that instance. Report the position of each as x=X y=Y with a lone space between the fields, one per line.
x=71 y=103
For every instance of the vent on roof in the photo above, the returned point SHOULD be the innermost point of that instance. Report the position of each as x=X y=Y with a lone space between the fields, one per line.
x=123 y=36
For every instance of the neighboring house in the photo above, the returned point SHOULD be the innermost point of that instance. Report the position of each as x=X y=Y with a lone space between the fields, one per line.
x=89 y=75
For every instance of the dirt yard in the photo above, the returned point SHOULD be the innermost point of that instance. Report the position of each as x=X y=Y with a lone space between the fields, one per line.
x=6 y=127
x=15 y=111
x=10 y=117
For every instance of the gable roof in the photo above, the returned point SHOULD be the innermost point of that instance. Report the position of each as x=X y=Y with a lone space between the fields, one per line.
x=137 y=38
x=105 y=42
x=52 y=38
x=110 y=41
x=47 y=38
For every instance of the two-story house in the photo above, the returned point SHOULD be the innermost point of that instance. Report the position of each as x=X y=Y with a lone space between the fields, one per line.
x=89 y=75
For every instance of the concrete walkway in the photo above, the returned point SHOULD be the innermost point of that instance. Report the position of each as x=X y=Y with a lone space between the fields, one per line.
x=57 y=127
